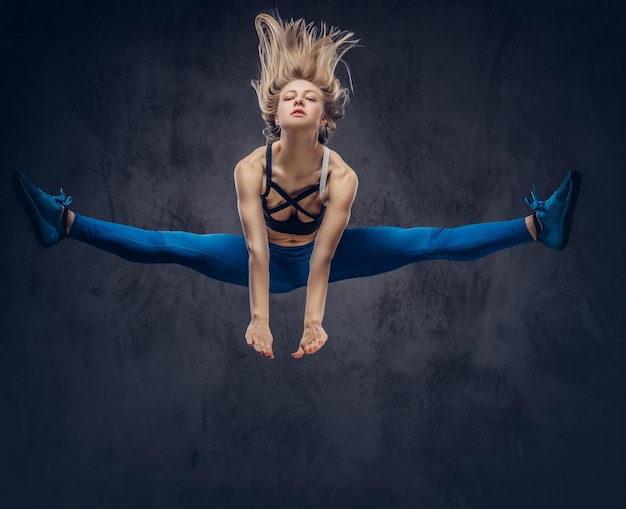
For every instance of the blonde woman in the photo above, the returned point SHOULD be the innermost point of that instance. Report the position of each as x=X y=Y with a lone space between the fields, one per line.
x=294 y=199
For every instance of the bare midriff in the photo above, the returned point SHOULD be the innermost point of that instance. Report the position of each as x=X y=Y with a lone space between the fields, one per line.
x=287 y=240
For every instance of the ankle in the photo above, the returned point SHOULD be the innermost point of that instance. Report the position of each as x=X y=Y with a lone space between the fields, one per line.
x=69 y=221
x=530 y=225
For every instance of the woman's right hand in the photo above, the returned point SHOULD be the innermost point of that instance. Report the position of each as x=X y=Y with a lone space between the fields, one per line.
x=259 y=337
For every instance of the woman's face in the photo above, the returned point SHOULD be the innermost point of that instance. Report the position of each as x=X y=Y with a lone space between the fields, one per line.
x=301 y=105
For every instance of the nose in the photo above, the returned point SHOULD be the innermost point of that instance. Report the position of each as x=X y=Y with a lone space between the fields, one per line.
x=299 y=101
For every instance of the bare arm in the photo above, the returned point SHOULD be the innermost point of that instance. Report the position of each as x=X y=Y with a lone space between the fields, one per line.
x=341 y=194
x=248 y=183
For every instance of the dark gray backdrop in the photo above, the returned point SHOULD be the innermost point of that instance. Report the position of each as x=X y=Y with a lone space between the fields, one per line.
x=495 y=383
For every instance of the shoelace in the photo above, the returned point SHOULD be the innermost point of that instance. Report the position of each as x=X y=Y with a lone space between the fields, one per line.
x=62 y=198
x=536 y=204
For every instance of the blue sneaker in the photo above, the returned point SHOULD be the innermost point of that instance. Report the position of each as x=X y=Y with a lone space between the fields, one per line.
x=554 y=215
x=47 y=213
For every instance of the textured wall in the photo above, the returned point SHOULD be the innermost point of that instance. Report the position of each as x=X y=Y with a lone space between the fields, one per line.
x=494 y=383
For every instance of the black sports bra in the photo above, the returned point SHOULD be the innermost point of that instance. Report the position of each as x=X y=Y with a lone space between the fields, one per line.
x=293 y=225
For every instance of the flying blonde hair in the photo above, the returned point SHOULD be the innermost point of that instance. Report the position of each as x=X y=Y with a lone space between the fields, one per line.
x=294 y=50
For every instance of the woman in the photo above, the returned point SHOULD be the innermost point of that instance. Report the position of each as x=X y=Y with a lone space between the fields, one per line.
x=294 y=199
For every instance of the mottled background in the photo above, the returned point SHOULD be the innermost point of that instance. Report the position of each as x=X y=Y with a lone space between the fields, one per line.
x=498 y=383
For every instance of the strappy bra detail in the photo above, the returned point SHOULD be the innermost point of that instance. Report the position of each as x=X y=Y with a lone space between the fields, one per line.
x=293 y=225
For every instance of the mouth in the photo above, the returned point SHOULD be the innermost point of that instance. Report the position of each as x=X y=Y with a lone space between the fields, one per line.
x=298 y=113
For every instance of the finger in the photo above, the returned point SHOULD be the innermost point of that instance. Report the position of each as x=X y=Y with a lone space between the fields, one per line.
x=314 y=347
x=252 y=339
x=265 y=352
x=298 y=353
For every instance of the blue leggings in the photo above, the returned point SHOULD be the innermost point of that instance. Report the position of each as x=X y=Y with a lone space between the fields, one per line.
x=361 y=251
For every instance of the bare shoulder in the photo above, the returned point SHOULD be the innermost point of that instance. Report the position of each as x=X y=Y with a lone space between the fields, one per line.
x=342 y=179
x=254 y=161
x=249 y=171
x=339 y=169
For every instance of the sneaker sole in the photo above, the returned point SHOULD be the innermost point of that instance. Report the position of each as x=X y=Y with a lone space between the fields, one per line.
x=37 y=222
x=573 y=200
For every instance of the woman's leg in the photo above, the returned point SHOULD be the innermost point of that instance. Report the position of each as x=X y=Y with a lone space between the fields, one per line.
x=222 y=257
x=375 y=250
x=369 y=251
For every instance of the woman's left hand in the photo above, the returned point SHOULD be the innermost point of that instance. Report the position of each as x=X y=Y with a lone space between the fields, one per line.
x=313 y=338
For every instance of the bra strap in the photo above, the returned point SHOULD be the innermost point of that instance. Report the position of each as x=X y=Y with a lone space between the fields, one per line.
x=268 y=170
x=324 y=176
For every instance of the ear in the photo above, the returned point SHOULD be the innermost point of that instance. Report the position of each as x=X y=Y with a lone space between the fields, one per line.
x=324 y=121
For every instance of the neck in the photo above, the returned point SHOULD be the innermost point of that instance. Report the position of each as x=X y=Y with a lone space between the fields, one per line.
x=298 y=152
